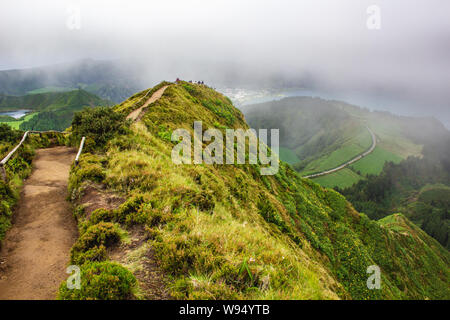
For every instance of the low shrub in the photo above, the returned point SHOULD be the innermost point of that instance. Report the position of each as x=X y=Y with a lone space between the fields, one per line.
x=101 y=281
x=97 y=253
x=98 y=124
x=100 y=234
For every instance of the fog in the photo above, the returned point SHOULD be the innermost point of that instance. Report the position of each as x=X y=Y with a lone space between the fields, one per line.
x=317 y=44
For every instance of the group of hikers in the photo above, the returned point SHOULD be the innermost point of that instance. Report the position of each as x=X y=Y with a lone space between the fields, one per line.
x=190 y=81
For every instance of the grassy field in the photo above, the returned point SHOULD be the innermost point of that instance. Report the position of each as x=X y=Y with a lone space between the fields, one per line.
x=287 y=155
x=17 y=123
x=50 y=89
x=390 y=136
x=343 y=178
x=353 y=147
x=374 y=162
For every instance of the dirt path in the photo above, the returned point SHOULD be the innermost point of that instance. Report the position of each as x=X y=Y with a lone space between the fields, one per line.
x=359 y=157
x=35 y=253
x=155 y=96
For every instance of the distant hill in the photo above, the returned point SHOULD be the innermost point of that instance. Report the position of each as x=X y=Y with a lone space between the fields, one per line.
x=412 y=155
x=107 y=79
x=417 y=187
x=318 y=134
x=54 y=110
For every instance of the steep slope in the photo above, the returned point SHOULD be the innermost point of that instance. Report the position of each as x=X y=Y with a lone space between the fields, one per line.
x=226 y=231
x=417 y=187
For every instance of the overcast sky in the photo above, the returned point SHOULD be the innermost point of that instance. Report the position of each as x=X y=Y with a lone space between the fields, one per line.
x=327 y=41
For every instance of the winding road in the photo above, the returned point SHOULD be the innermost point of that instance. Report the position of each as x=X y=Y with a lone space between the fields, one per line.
x=359 y=157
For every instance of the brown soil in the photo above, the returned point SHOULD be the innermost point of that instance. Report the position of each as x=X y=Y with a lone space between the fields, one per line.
x=35 y=253
x=95 y=196
x=137 y=254
x=136 y=114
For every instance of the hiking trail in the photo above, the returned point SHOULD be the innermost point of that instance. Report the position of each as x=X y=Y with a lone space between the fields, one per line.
x=35 y=252
x=135 y=115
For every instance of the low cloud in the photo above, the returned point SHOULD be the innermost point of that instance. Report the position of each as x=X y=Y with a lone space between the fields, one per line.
x=317 y=43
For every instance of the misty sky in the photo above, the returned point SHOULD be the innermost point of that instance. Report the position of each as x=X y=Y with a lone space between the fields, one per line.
x=317 y=43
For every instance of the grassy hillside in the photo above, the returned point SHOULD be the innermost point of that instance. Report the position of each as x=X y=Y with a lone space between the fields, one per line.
x=106 y=79
x=417 y=187
x=226 y=231
x=53 y=111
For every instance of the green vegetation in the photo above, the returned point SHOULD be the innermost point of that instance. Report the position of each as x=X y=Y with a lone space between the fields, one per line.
x=417 y=187
x=50 y=89
x=54 y=110
x=109 y=80
x=325 y=134
x=99 y=125
x=288 y=156
x=343 y=178
x=226 y=232
x=15 y=123
x=101 y=281
x=374 y=162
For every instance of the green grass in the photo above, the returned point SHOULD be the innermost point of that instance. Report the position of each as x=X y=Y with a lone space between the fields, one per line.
x=355 y=145
x=342 y=178
x=287 y=155
x=50 y=89
x=371 y=164
x=391 y=137
x=16 y=124
x=374 y=162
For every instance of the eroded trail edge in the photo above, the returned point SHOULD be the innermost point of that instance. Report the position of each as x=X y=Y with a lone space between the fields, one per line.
x=36 y=249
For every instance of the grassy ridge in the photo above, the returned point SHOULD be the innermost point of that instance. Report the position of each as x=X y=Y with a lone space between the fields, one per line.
x=226 y=232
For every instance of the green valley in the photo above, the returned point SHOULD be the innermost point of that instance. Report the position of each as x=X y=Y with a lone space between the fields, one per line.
x=324 y=134
x=50 y=111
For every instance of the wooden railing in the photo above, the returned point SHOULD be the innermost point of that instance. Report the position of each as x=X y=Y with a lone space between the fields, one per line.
x=13 y=151
x=80 y=150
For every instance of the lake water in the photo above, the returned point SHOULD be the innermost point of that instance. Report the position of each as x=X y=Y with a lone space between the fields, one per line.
x=15 y=114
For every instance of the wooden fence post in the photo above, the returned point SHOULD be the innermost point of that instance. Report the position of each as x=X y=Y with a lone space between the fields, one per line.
x=3 y=172
x=80 y=150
